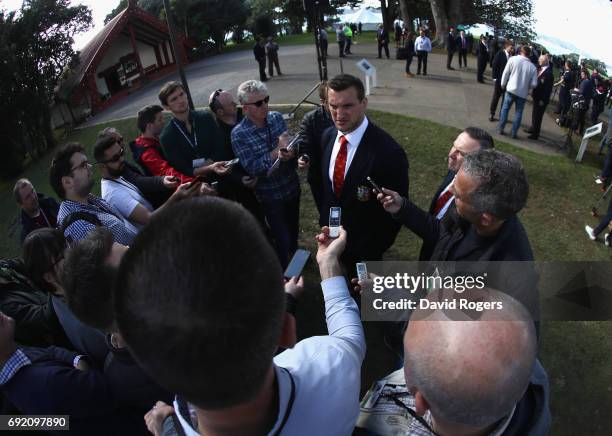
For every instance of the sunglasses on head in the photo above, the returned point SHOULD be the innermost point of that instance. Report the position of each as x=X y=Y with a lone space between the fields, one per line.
x=259 y=103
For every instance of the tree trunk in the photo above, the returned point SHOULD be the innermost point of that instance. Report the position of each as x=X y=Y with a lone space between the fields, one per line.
x=405 y=7
x=383 y=11
x=455 y=12
x=439 y=16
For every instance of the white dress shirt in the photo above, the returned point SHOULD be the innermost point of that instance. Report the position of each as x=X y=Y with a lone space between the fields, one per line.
x=322 y=373
x=422 y=43
x=354 y=139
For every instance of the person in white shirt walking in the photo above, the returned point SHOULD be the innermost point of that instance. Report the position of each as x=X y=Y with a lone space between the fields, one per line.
x=519 y=76
x=422 y=46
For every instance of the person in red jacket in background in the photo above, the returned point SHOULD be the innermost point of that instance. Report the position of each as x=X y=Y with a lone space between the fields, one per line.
x=147 y=150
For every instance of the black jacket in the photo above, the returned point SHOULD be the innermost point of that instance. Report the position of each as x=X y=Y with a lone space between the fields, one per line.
x=510 y=243
x=36 y=323
x=313 y=125
x=499 y=63
x=260 y=52
x=49 y=206
x=428 y=246
x=451 y=42
x=382 y=36
x=544 y=87
x=152 y=187
x=50 y=385
x=371 y=230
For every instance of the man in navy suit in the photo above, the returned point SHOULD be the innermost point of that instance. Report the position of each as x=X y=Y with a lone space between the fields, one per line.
x=468 y=141
x=354 y=149
x=451 y=47
x=499 y=63
x=541 y=96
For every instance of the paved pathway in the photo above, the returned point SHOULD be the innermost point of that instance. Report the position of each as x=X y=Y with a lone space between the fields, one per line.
x=449 y=97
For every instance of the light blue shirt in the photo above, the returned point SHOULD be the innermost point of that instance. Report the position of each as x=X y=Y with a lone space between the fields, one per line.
x=324 y=372
x=422 y=43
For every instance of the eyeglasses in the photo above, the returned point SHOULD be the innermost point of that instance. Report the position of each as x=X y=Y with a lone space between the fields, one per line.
x=82 y=165
x=259 y=103
x=113 y=159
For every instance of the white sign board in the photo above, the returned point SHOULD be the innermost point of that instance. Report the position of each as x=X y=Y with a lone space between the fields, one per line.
x=366 y=67
x=588 y=133
x=370 y=74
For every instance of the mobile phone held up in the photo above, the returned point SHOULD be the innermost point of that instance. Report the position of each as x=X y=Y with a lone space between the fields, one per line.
x=334 y=221
x=362 y=271
x=298 y=261
x=376 y=188
x=231 y=163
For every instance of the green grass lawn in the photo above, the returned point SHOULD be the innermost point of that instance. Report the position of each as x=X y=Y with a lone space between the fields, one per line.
x=577 y=355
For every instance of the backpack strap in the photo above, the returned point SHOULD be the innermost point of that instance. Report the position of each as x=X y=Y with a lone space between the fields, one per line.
x=78 y=216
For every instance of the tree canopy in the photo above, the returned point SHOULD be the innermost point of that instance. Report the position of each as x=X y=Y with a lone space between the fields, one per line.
x=35 y=46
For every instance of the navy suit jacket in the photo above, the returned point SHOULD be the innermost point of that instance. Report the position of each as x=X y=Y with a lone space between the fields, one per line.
x=52 y=386
x=371 y=230
x=545 y=85
x=427 y=247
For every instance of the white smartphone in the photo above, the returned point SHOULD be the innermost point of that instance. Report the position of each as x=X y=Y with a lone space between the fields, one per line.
x=362 y=271
x=334 y=221
x=232 y=162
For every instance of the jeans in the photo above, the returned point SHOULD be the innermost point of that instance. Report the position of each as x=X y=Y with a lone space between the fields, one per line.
x=283 y=217
x=510 y=98
x=603 y=224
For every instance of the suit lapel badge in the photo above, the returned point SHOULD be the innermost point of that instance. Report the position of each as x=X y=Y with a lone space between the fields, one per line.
x=363 y=193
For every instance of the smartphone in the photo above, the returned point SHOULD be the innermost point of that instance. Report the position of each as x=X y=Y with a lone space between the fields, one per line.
x=198 y=179
x=362 y=271
x=374 y=185
x=334 y=221
x=232 y=162
x=295 y=267
x=215 y=185
x=305 y=157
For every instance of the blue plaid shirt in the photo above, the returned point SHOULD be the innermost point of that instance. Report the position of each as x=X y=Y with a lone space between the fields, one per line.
x=106 y=214
x=17 y=361
x=253 y=146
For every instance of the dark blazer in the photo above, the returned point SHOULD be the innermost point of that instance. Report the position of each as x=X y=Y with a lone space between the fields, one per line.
x=52 y=386
x=499 y=63
x=458 y=43
x=313 y=125
x=371 y=230
x=427 y=247
x=48 y=205
x=382 y=36
x=483 y=51
x=451 y=42
x=544 y=87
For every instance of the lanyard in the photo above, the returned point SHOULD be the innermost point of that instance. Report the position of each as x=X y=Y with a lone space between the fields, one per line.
x=45 y=217
x=123 y=182
x=413 y=414
x=194 y=144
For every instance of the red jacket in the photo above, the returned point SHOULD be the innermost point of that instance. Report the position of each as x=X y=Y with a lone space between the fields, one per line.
x=152 y=158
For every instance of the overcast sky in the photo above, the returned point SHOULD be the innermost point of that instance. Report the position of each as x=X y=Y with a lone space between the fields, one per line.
x=583 y=23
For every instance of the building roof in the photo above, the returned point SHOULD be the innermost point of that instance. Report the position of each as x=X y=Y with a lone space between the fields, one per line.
x=146 y=27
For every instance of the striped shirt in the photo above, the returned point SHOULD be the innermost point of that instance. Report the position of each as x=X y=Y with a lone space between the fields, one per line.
x=108 y=215
x=17 y=361
x=253 y=145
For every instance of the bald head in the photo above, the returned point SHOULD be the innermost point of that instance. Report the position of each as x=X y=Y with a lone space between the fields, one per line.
x=543 y=60
x=470 y=372
x=223 y=105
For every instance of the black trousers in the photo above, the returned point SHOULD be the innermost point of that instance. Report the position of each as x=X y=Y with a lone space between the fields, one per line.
x=497 y=93
x=341 y=48
x=422 y=58
x=564 y=100
x=482 y=65
x=463 y=56
x=262 y=69
x=409 y=61
x=386 y=47
x=324 y=48
x=536 y=117
x=449 y=58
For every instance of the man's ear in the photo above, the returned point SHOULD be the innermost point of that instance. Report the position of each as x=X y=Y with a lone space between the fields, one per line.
x=288 y=337
x=420 y=403
x=487 y=220
x=66 y=182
